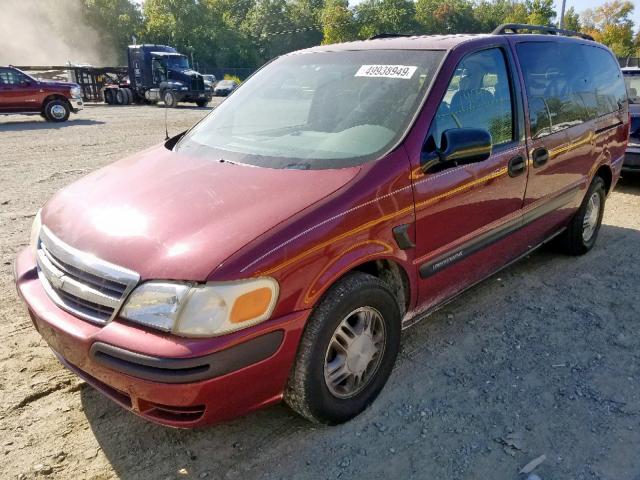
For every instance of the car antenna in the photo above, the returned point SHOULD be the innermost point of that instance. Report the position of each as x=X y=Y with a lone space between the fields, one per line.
x=166 y=127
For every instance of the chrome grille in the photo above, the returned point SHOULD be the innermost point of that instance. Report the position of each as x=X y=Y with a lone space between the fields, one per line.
x=81 y=283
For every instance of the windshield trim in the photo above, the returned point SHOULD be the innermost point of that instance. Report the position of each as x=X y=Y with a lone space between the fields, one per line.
x=401 y=138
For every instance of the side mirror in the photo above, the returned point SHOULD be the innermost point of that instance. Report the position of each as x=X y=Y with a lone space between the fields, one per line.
x=460 y=146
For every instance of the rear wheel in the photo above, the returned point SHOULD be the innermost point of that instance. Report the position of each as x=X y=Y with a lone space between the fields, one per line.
x=108 y=96
x=57 y=110
x=120 y=97
x=581 y=235
x=129 y=96
x=347 y=351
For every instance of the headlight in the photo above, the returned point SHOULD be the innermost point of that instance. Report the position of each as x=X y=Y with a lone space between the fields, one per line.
x=209 y=310
x=35 y=233
x=75 y=91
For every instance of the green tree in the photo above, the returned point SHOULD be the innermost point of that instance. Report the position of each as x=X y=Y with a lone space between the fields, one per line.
x=488 y=14
x=385 y=16
x=611 y=24
x=572 y=20
x=540 y=12
x=338 y=22
x=518 y=13
x=446 y=16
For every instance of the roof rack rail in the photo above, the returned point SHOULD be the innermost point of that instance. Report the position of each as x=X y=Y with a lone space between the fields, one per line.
x=378 y=36
x=512 y=28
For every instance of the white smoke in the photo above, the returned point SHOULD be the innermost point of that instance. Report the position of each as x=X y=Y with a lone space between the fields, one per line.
x=49 y=32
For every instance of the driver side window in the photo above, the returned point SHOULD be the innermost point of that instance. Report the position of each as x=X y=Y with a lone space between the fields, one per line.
x=478 y=96
x=10 y=77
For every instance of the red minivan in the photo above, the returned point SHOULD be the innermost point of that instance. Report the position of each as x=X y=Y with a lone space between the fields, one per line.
x=277 y=249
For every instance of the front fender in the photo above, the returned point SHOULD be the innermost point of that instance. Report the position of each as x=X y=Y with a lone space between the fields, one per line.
x=308 y=253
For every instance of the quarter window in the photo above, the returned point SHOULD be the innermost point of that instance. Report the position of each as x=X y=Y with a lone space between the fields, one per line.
x=478 y=96
x=607 y=90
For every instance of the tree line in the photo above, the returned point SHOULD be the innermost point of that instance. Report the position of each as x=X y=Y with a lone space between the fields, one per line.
x=247 y=33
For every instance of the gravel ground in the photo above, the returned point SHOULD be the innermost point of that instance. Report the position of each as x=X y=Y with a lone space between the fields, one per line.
x=541 y=359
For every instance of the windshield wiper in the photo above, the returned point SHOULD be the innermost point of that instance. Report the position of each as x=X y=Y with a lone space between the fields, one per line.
x=298 y=166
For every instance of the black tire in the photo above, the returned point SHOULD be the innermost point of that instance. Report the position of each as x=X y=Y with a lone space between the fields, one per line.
x=307 y=392
x=202 y=103
x=108 y=96
x=129 y=96
x=120 y=97
x=57 y=111
x=573 y=241
x=169 y=99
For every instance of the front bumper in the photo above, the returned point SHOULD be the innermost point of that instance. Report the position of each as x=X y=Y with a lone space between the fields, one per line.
x=192 y=95
x=76 y=104
x=169 y=380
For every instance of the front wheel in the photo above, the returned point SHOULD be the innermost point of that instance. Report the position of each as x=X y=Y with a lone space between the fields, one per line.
x=582 y=232
x=202 y=103
x=57 y=110
x=169 y=99
x=347 y=351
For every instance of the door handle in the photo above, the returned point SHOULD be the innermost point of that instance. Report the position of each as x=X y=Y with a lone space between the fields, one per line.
x=540 y=156
x=517 y=166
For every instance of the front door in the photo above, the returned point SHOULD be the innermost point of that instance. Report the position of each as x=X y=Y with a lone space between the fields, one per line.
x=464 y=212
x=18 y=93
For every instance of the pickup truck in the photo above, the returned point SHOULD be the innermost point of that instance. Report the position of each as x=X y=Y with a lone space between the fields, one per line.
x=54 y=101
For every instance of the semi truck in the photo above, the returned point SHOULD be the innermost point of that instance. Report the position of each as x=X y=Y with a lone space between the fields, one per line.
x=158 y=73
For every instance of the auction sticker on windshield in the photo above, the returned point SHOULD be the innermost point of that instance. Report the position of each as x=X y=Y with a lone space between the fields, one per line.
x=386 y=71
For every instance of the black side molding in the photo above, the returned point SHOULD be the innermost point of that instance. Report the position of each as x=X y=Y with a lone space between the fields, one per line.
x=486 y=239
x=187 y=370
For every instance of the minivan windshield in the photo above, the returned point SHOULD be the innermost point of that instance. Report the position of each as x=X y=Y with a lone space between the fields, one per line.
x=317 y=110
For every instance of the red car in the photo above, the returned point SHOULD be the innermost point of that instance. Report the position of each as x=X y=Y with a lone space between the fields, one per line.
x=54 y=101
x=277 y=249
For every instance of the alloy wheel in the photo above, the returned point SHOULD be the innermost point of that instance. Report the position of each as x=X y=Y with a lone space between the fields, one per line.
x=591 y=216
x=355 y=352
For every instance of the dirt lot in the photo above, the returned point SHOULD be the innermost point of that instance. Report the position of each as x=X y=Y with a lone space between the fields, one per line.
x=544 y=358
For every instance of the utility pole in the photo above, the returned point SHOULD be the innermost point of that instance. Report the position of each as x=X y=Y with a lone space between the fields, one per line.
x=561 y=23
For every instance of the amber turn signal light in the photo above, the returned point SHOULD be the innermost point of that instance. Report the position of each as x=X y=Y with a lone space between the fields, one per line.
x=251 y=305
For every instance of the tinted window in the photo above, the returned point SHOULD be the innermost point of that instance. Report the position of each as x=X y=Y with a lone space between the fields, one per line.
x=606 y=90
x=478 y=96
x=11 y=77
x=567 y=84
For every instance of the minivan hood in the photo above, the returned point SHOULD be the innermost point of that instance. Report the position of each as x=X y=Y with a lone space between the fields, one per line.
x=171 y=216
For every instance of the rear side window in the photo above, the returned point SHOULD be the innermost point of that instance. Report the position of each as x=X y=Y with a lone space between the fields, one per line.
x=568 y=83
x=478 y=96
